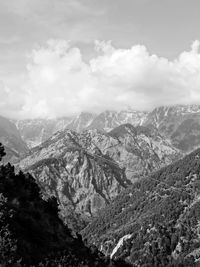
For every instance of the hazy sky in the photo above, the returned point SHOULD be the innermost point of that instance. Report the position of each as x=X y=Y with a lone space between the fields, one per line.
x=60 y=57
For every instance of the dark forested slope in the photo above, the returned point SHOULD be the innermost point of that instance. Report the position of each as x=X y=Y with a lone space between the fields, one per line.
x=155 y=222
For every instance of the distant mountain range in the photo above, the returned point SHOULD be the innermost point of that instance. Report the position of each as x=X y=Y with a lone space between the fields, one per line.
x=36 y=131
x=180 y=124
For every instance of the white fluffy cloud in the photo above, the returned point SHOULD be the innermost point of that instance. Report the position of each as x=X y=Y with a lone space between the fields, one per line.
x=58 y=82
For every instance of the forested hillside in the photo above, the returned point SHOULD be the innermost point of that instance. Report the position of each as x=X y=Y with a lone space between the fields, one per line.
x=155 y=222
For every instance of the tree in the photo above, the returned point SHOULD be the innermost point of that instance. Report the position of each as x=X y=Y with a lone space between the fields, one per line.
x=2 y=152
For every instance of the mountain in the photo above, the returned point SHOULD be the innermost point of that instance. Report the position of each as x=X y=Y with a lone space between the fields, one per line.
x=71 y=168
x=81 y=122
x=154 y=222
x=141 y=150
x=180 y=123
x=85 y=171
x=36 y=131
x=108 y=120
x=10 y=137
x=32 y=234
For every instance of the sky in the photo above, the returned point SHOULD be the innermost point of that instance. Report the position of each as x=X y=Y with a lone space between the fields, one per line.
x=61 y=57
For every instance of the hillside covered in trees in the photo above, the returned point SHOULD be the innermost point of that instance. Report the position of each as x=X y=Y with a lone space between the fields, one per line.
x=156 y=221
x=32 y=234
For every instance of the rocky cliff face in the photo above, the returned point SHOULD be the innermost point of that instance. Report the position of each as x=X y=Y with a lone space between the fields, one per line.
x=85 y=171
x=181 y=124
x=12 y=141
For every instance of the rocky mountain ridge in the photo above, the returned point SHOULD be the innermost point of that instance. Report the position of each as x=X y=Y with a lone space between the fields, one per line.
x=85 y=171
x=36 y=131
x=179 y=123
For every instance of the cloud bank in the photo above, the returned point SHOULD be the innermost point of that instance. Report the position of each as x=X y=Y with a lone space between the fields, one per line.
x=58 y=82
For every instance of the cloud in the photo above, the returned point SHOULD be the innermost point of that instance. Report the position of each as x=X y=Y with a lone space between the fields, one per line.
x=58 y=82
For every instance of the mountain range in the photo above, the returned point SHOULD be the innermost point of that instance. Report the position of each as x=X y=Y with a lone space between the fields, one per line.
x=88 y=160
x=120 y=178
x=36 y=131
x=180 y=124
x=85 y=171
